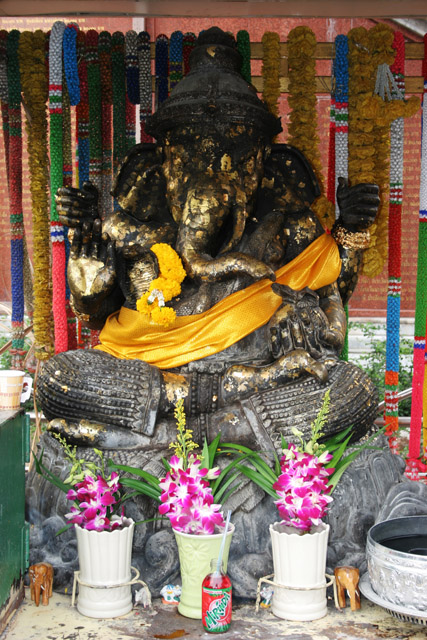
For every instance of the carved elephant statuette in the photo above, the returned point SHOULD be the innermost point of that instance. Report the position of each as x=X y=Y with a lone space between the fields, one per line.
x=41 y=579
x=347 y=579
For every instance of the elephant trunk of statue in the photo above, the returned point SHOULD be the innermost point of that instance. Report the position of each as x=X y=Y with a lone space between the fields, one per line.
x=209 y=205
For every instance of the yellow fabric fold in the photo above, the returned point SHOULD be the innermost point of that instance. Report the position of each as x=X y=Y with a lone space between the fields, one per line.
x=130 y=335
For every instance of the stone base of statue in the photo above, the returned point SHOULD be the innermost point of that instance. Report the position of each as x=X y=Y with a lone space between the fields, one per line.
x=372 y=489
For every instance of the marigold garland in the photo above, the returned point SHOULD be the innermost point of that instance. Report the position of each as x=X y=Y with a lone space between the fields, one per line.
x=271 y=70
x=163 y=288
x=302 y=128
x=369 y=122
x=35 y=92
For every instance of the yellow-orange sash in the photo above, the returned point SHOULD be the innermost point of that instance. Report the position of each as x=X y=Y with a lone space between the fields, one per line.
x=129 y=334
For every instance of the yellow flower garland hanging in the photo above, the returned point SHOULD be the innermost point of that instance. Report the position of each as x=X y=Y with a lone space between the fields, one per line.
x=302 y=129
x=35 y=91
x=163 y=288
x=271 y=70
x=369 y=120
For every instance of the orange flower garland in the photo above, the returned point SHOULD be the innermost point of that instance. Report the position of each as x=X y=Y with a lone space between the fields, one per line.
x=302 y=127
x=163 y=288
x=369 y=128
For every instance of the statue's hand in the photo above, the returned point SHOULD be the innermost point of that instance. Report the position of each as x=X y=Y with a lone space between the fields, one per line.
x=76 y=206
x=92 y=265
x=358 y=205
x=299 y=323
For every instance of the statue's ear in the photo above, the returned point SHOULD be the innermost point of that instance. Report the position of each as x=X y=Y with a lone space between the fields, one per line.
x=140 y=187
x=296 y=171
x=140 y=158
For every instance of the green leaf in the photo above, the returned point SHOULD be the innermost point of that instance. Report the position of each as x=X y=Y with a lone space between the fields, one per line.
x=213 y=450
x=221 y=490
x=334 y=441
x=229 y=493
x=205 y=459
x=67 y=526
x=258 y=479
x=166 y=465
x=142 y=487
x=48 y=475
x=151 y=520
x=339 y=453
x=255 y=456
x=148 y=477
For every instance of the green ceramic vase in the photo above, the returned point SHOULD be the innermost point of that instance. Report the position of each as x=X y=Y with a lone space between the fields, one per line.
x=195 y=555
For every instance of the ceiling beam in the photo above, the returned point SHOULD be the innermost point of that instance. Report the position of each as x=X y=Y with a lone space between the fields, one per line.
x=218 y=8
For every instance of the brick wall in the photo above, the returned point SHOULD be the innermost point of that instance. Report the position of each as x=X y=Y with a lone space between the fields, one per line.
x=370 y=296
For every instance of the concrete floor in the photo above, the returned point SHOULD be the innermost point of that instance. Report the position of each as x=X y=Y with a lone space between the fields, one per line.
x=59 y=621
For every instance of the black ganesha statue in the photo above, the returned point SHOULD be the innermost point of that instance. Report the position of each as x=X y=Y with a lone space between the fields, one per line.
x=260 y=319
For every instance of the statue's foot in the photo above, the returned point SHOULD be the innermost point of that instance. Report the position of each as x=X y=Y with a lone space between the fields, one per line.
x=91 y=434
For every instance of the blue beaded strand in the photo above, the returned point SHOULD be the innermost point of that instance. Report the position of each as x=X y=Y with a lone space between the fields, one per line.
x=70 y=63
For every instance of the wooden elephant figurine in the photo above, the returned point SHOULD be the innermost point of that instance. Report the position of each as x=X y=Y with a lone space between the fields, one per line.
x=347 y=579
x=41 y=578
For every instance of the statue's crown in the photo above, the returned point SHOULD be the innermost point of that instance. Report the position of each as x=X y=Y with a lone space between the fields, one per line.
x=213 y=91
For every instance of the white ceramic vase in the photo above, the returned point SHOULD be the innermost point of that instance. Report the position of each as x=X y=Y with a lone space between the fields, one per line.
x=299 y=561
x=195 y=555
x=105 y=561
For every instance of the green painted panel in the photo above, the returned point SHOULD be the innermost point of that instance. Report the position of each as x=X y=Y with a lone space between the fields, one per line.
x=12 y=502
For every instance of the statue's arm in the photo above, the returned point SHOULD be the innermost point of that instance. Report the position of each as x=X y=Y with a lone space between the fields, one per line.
x=358 y=208
x=91 y=272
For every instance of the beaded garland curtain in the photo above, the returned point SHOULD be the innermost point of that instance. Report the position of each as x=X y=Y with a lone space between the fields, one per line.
x=108 y=79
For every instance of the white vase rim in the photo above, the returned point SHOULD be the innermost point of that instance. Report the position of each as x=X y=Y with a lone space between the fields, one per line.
x=323 y=527
x=128 y=524
x=231 y=528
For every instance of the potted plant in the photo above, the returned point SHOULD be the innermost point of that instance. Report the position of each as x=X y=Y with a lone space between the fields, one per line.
x=301 y=483
x=189 y=495
x=104 y=534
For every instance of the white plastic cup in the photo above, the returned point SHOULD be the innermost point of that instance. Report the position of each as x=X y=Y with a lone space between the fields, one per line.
x=15 y=387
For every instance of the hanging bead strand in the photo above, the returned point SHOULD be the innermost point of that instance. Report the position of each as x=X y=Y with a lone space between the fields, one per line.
x=56 y=180
x=175 y=59
x=395 y=249
x=104 y=47
x=188 y=44
x=119 y=99
x=244 y=48
x=4 y=97
x=162 y=69
x=145 y=85
x=419 y=401
x=15 y=199
x=132 y=87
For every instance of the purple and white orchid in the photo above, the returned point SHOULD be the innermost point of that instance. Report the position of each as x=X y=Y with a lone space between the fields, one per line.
x=303 y=488
x=94 y=503
x=186 y=497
